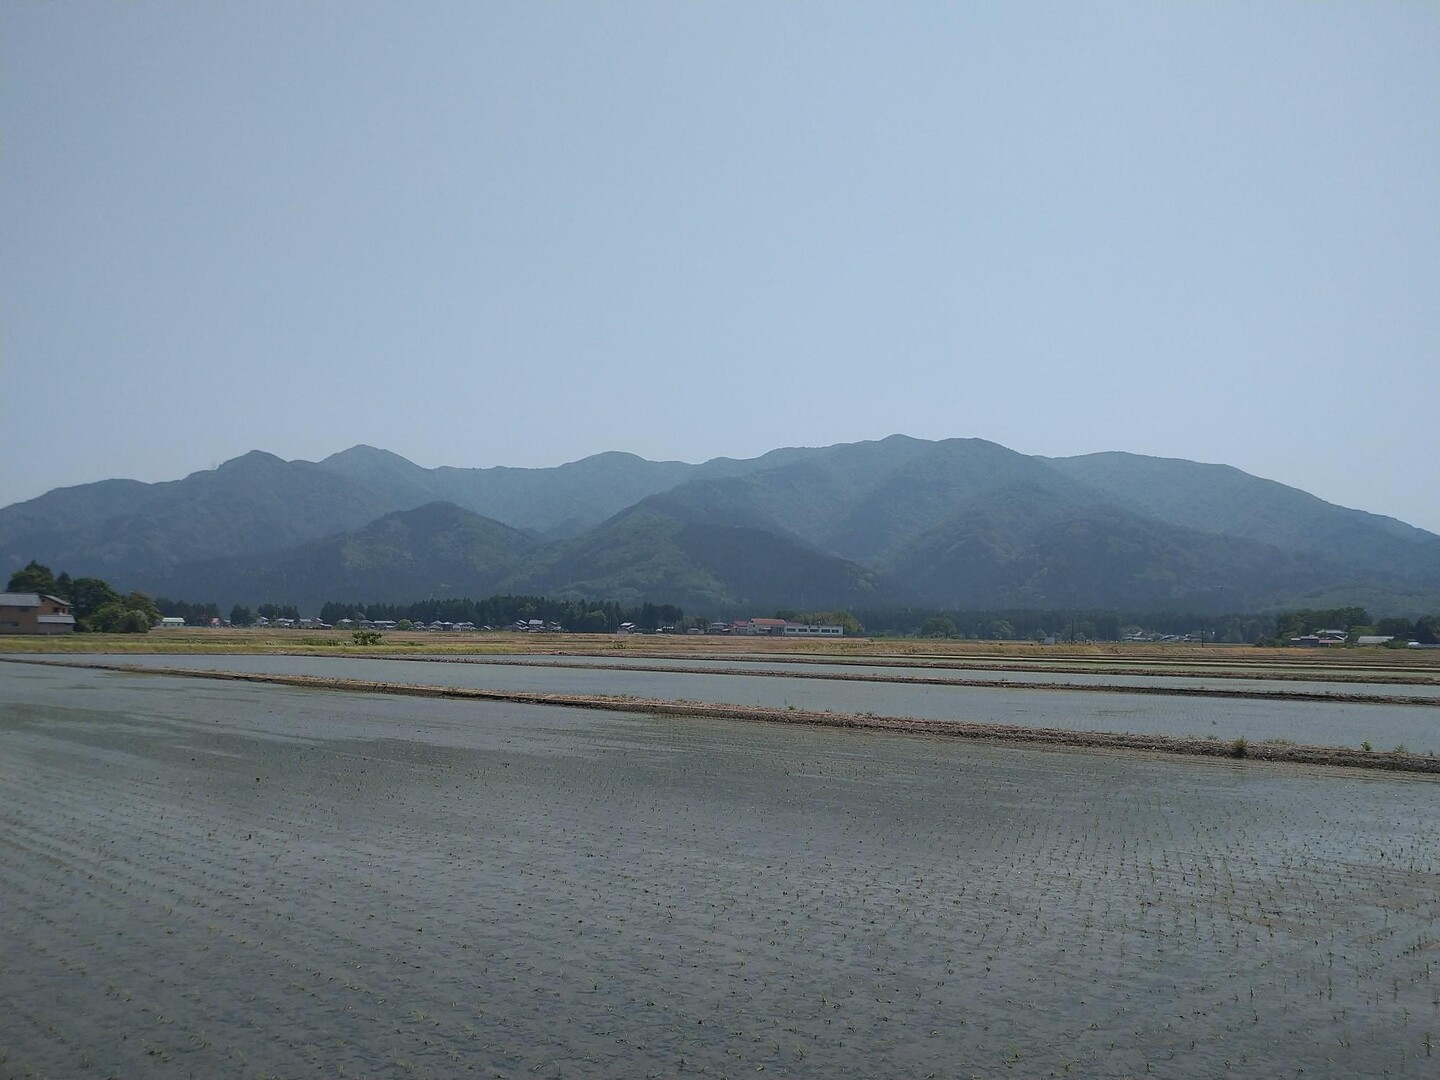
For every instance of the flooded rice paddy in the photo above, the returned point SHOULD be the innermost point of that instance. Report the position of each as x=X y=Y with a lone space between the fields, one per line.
x=1321 y=723
x=1418 y=686
x=212 y=879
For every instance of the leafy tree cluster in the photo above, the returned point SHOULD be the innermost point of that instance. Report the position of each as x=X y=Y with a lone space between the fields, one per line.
x=1425 y=630
x=937 y=626
x=996 y=625
x=1290 y=624
x=96 y=606
x=1355 y=621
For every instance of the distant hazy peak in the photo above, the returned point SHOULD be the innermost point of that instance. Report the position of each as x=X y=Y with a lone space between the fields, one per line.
x=253 y=459
x=363 y=452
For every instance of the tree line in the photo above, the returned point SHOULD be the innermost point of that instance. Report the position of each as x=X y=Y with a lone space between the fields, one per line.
x=1356 y=621
x=99 y=607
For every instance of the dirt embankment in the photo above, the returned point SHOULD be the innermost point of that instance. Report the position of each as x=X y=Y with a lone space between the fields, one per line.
x=1398 y=761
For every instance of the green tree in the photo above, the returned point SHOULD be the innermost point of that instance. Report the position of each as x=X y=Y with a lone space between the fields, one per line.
x=938 y=626
x=32 y=578
x=240 y=615
x=1427 y=630
x=116 y=618
x=1395 y=627
x=590 y=622
x=138 y=601
x=89 y=595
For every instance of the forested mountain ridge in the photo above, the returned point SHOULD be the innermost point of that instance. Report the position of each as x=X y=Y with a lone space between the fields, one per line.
x=127 y=530
x=1224 y=500
x=955 y=523
x=644 y=552
x=552 y=502
x=437 y=549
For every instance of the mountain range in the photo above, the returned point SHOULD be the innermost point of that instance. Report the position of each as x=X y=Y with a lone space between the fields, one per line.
x=956 y=524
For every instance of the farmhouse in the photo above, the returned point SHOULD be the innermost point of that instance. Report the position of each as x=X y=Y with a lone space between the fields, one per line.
x=35 y=613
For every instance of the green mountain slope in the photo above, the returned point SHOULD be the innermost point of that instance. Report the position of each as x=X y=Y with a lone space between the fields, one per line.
x=958 y=523
x=1222 y=500
x=436 y=550
x=862 y=500
x=646 y=553
x=132 y=531
x=554 y=502
x=1019 y=546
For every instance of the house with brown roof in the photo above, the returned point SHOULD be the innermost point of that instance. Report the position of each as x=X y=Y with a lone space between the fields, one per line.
x=35 y=613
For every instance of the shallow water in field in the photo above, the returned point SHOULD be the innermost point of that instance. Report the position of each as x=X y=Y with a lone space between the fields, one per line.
x=221 y=880
x=1417 y=727
x=986 y=671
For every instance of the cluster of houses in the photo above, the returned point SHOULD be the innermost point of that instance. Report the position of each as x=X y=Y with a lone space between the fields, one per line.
x=757 y=626
x=1322 y=638
x=1144 y=636
x=775 y=627
x=391 y=624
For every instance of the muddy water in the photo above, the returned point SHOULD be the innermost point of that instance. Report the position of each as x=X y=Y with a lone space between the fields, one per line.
x=1416 y=727
x=219 y=880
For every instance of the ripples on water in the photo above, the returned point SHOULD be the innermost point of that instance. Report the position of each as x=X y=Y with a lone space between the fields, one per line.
x=234 y=880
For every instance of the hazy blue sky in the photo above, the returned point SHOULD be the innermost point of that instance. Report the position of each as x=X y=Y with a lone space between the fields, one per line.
x=518 y=234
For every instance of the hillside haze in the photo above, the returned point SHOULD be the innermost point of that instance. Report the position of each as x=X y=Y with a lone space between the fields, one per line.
x=958 y=523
